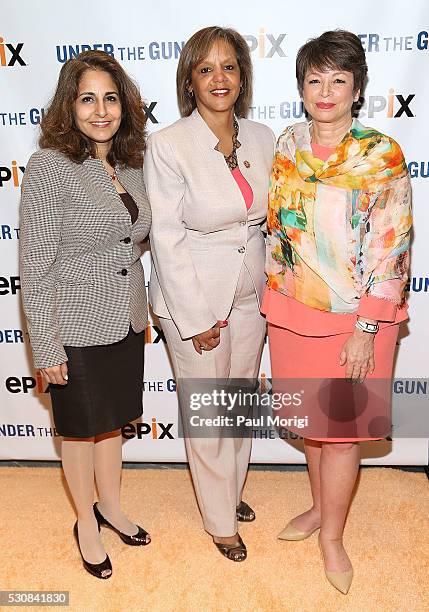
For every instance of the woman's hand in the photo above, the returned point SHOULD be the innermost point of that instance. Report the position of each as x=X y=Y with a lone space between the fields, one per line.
x=358 y=355
x=56 y=375
x=208 y=340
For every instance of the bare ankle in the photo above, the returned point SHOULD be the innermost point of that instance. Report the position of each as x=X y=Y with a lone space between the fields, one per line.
x=330 y=539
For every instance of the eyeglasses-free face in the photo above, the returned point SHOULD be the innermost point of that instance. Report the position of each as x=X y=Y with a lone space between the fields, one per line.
x=328 y=96
x=98 y=109
x=216 y=80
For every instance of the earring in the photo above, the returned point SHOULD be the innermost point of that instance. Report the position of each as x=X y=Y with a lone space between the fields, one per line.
x=190 y=93
x=241 y=89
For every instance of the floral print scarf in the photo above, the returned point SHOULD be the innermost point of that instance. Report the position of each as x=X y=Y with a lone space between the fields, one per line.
x=339 y=228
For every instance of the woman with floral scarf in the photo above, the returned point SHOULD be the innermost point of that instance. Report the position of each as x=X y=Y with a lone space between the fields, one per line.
x=339 y=225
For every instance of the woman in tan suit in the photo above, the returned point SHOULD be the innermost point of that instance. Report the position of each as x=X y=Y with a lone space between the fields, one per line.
x=207 y=178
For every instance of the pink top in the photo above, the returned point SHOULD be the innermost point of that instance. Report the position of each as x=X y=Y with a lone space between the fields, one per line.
x=244 y=187
x=321 y=151
x=287 y=312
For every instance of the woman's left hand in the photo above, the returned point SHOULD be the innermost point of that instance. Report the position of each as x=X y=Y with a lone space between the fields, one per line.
x=357 y=355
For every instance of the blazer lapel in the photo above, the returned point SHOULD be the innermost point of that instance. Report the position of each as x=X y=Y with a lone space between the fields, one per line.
x=99 y=187
x=206 y=140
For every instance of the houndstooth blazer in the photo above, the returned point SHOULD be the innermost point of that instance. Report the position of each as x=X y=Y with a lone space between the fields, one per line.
x=81 y=275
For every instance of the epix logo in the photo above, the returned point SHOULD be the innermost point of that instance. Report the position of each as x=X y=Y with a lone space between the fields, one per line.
x=10 y=55
x=25 y=384
x=9 y=284
x=154 y=335
x=266 y=45
x=148 y=111
x=11 y=173
x=156 y=430
x=397 y=105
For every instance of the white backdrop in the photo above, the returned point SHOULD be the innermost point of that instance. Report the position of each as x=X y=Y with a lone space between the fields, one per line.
x=36 y=38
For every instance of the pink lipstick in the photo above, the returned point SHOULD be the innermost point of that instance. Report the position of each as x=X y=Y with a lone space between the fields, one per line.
x=325 y=105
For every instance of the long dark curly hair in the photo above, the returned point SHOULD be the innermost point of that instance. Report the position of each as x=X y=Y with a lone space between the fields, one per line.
x=59 y=130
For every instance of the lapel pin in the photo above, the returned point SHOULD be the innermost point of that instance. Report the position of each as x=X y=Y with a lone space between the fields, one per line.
x=246 y=163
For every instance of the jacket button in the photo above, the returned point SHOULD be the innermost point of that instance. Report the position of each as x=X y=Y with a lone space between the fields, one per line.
x=127 y=240
x=124 y=271
x=241 y=249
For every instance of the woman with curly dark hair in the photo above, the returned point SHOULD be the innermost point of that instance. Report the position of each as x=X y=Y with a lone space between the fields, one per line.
x=84 y=215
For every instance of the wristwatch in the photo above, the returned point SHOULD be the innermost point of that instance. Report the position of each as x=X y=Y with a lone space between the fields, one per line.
x=369 y=328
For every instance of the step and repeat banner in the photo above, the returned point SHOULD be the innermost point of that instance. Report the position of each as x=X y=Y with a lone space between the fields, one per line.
x=37 y=38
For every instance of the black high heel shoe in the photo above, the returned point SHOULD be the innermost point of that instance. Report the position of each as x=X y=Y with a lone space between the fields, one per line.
x=139 y=539
x=233 y=552
x=245 y=514
x=101 y=570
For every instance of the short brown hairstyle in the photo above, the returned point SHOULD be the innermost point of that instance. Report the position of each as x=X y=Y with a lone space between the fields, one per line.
x=58 y=126
x=196 y=49
x=336 y=49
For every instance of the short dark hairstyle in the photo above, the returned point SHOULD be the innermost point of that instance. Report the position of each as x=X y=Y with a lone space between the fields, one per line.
x=336 y=49
x=59 y=130
x=196 y=49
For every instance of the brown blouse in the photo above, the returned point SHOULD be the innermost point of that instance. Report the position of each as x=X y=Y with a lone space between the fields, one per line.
x=130 y=205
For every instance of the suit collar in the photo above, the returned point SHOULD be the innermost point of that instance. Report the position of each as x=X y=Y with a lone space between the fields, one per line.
x=101 y=191
x=203 y=129
x=206 y=139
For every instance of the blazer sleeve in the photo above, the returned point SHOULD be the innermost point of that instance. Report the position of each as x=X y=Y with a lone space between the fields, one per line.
x=41 y=213
x=180 y=285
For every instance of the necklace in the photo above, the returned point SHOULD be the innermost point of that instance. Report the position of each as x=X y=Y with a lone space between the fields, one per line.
x=113 y=176
x=231 y=159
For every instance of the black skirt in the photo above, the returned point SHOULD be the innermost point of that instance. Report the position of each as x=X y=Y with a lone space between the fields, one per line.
x=104 y=389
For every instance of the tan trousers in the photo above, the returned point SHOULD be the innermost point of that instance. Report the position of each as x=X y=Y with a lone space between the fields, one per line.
x=219 y=465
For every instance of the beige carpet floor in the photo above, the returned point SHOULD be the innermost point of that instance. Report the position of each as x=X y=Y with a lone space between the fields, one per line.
x=387 y=537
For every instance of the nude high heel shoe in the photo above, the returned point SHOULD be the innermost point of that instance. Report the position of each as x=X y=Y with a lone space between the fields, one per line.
x=339 y=580
x=292 y=534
